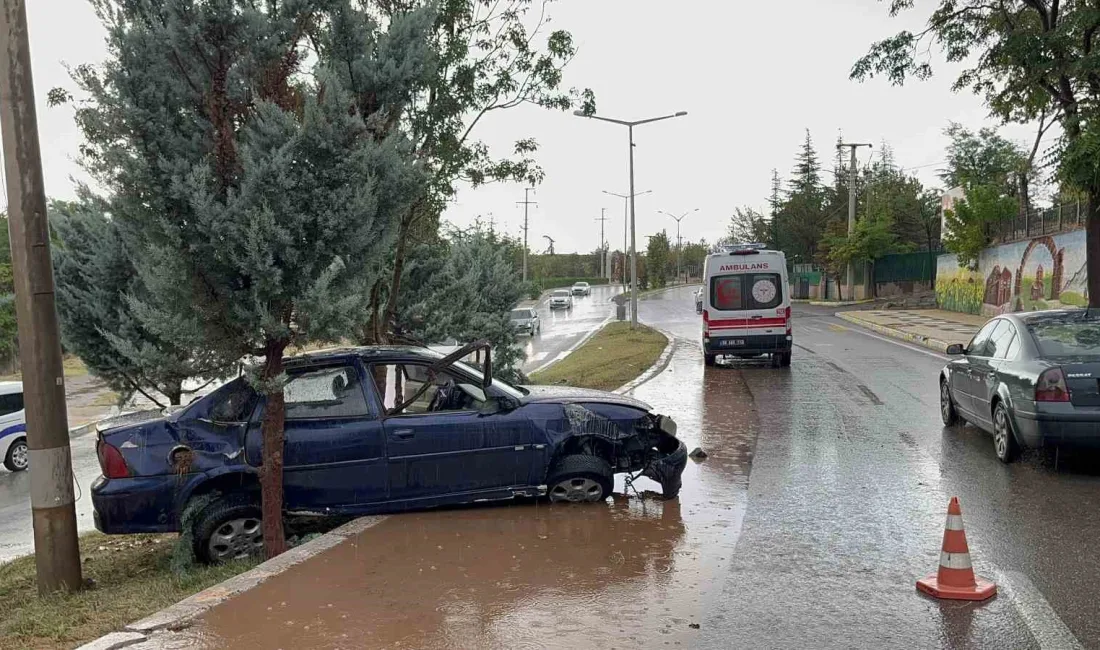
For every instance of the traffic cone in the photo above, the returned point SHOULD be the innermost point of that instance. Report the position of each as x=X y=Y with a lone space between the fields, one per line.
x=955 y=579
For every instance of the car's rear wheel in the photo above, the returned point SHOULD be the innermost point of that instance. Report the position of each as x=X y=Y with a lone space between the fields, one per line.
x=1004 y=438
x=580 y=479
x=710 y=359
x=948 y=413
x=785 y=360
x=17 y=458
x=228 y=529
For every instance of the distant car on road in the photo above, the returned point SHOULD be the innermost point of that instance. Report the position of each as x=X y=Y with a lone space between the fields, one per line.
x=526 y=320
x=13 y=426
x=561 y=299
x=582 y=289
x=374 y=429
x=1029 y=379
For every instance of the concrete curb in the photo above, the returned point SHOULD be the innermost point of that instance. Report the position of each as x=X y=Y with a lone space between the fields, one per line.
x=924 y=341
x=183 y=613
x=657 y=368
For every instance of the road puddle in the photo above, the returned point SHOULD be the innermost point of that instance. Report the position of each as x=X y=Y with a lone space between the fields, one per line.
x=636 y=571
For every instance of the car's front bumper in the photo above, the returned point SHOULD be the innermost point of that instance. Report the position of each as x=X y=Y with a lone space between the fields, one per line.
x=668 y=470
x=145 y=504
x=1061 y=429
x=558 y=305
x=747 y=345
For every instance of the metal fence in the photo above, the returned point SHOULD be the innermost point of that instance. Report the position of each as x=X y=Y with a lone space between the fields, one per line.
x=906 y=267
x=1049 y=221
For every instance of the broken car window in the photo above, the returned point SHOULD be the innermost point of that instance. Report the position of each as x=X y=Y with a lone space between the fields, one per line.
x=234 y=403
x=325 y=393
x=400 y=382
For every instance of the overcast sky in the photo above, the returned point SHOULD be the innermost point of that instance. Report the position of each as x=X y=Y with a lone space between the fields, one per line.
x=752 y=77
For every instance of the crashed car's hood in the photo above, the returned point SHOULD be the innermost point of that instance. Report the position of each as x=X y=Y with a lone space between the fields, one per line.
x=570 y=395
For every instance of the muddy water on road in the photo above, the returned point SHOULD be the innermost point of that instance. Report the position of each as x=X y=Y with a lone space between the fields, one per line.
x=634 y=572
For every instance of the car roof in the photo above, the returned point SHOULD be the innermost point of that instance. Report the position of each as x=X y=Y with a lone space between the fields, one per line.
x=10 y=387
x=1050 y=315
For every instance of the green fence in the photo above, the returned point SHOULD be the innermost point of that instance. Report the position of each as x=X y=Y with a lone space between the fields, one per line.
x=903 y=267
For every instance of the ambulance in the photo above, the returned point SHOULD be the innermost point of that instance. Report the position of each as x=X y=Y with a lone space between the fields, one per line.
x=746 y=305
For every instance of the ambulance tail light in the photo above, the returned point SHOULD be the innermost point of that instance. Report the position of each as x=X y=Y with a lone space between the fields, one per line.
x=706 y=321
x=787 y=316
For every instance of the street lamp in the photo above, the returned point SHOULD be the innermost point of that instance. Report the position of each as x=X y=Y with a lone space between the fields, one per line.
x=679 y=246
x=626 y=223
x=633 y=255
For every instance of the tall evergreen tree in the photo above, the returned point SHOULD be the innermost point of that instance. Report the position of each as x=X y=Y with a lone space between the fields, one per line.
x=255 y=171
x=98 y=290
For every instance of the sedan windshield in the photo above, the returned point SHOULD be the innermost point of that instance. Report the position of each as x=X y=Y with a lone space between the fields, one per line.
x=520 y=314
x=1067 y=335
x=561 y=293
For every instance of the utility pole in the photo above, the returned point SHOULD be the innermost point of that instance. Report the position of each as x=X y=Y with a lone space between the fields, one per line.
x=851 y=206
x=603 y=255
x=53 y=512
x=626 y=223
x=526 y=202
x=679 y=244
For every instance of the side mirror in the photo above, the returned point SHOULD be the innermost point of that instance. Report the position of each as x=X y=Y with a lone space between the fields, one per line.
x=956 y=349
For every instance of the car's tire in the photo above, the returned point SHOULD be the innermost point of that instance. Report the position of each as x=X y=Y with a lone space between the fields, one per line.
x=17 y=458
x=231 y=522
x=948 y=413
x=785 y=359
x=1004 y=436
x=710 y=359
x=580 y=479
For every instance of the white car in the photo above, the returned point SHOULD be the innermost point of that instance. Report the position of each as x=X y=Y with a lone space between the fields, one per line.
x=582 y=289
x=13 y=426
x=561 y=299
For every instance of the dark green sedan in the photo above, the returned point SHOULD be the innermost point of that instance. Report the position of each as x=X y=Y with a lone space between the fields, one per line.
x=1030 y=379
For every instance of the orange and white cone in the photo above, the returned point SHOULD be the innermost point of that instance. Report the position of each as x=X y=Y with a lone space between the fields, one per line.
x=955 y=578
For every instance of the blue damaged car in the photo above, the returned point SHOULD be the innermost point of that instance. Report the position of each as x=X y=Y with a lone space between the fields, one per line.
x=368 y=430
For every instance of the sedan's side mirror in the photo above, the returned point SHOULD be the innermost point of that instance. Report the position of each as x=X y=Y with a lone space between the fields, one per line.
x=956 y=349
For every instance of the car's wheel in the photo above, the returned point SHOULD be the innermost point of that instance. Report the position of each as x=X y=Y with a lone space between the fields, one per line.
x=785 y=360
x=710 y=359
x=580 y=479
x=1004 y=438
x=17 y=457
x=228 y=529
x=948 y=413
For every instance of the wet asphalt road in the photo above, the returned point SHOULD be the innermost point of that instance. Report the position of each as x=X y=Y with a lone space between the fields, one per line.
x=562 y=330
x=16 y=533
x=821 y=503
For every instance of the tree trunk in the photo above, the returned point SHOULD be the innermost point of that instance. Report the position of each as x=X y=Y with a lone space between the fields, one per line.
x=271 y=474
x=395 y=283
x=174 y=392
x=1092 y=244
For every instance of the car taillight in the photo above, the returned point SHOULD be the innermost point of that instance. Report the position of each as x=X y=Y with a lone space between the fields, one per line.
x=111 y=461
x=788 y=317
x=1052 y=387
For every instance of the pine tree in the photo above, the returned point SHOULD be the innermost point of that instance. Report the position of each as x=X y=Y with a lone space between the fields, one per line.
x=96 y=281
x=254 y=167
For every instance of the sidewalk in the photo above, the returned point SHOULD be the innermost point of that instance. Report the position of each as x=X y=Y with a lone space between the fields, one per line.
x=932 y=328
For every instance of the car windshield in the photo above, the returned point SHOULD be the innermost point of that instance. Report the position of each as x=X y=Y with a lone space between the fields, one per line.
x=1066 y=335
x=520 y=314
x=561 y=293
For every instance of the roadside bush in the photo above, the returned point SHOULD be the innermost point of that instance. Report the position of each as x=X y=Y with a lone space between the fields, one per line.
x=532 y=290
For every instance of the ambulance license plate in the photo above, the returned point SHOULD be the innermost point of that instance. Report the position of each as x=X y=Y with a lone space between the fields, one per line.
x=733 y=343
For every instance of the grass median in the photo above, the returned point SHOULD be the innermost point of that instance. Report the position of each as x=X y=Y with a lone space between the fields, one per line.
x=611 y=358
x=131 y=577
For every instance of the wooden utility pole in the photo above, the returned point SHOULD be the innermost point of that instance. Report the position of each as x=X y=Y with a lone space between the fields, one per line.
x=526 y=203
x=53 y=512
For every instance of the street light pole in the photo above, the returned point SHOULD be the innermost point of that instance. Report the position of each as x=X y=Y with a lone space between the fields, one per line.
x=626 y=224
x=679 y=244
x=53 y=508
x=633 y=254
x=526 y=202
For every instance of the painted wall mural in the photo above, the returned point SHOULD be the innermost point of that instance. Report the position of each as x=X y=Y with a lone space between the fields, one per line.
x=1041 y=273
